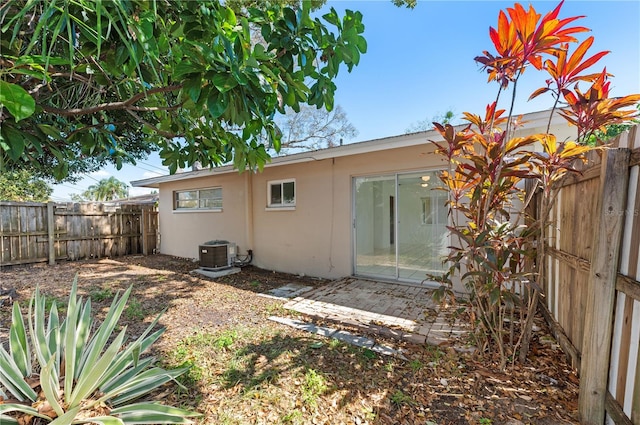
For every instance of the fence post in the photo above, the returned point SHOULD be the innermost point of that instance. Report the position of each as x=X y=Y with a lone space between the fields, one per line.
x=51 y=227
x=596 y=347
x=143 y=229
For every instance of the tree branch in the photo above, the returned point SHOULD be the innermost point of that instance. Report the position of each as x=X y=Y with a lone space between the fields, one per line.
x=126 y=105
x=151 y=126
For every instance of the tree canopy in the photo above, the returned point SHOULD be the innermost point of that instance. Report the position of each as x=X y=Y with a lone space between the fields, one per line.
x=312 y=128
x=86 y=83
x=21 y=186
x=105 y=190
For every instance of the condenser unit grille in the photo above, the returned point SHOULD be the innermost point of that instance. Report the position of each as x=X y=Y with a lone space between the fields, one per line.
x=217 y=256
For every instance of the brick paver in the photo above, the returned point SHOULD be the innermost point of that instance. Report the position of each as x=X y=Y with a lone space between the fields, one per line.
x=398 y=311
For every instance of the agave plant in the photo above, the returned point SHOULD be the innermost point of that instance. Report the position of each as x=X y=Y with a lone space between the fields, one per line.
x=64 y=372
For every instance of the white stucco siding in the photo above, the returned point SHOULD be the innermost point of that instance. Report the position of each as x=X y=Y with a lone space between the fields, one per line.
x=295 y=240
x=315 y=237
x=181 y=232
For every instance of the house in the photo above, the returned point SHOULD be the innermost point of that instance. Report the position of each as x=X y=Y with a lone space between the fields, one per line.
x=365 y=209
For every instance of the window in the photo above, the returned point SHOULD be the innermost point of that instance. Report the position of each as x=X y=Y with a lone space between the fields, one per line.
x=434 y=209
x=199 y=199
x=282 y=193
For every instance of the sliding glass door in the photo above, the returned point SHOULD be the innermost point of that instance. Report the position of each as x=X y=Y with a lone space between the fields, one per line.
x=399 y=226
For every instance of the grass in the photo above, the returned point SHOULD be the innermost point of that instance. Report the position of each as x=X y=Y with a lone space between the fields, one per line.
x=134 y=310
x=400 y=399
x=416 y=365
x=245 y=369
x=293 y=417
x=101 y=294
x=314 y=386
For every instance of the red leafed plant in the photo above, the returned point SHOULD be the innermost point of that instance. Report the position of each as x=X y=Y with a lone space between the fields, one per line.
x=494 y=254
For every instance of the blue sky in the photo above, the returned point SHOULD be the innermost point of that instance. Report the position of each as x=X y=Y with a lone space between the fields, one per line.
x=419 y=64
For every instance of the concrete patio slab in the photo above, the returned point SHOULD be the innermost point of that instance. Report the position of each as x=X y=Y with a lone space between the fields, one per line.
x=344 y=336
x=289 y=291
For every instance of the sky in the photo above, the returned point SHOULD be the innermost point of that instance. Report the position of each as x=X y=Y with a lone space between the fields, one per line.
x=419 y=64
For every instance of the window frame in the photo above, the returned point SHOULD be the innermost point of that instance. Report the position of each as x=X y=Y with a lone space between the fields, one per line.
x=282 y=205
x=198 y=199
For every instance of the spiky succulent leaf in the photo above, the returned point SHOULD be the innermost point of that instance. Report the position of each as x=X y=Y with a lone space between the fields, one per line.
x=21 y=408
x=70 y=341
x=103 y=420
x=153 y=408
x=50 y=386
x=18 y=342
x=13 y=380
x=144 y=383
x=131 y=354
x=117 y=374
x=91 y=378
x=99 y=340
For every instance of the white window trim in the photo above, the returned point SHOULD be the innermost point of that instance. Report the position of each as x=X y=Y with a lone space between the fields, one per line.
x=281 y=207
x=197 y=210
x=177 y=210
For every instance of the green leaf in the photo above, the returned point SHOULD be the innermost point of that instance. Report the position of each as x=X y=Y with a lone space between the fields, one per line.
x=15 y=141
x=7 y=420
x=70 y=361
x=332 y=17
x=145 y=407
x=15 y=407
x=104 y=420
x=91 y=379
x=224 y=82
x=217 y=104
x=17 y=100
x=185 y=68
x=50 y=131
x=18 y=343
x=103 y=333
x=49 y=384
x=193 y=87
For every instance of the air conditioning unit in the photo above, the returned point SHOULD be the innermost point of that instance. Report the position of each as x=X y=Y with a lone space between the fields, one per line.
x=217 y=255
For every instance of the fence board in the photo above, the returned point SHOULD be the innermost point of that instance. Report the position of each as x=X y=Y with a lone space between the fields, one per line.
x=568 y=266
x=88 y=230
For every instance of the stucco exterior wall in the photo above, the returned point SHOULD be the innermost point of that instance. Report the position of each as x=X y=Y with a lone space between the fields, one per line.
x=182 y=231
x=316 y=237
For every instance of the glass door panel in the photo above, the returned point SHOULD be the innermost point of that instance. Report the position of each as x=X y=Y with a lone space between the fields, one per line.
x=375 y=230
x=399 y=226
x=421 y=225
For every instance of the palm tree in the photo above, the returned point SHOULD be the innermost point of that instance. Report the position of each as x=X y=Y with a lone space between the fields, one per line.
x=106 y=190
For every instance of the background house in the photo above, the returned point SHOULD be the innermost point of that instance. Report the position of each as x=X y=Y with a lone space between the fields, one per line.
x=367 y=208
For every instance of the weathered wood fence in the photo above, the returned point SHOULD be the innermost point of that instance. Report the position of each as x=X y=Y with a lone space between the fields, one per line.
x=39 y=232
x=592 y=285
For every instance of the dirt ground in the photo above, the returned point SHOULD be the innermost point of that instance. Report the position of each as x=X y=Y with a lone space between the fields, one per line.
x=247 y=369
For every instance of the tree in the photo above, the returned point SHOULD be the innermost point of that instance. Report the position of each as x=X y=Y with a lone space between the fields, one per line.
x=500 y=250
x=21 y=186
x=86 y=83
x=106 y=190
x=313 y=128
x=612 y=131
x=448 y=117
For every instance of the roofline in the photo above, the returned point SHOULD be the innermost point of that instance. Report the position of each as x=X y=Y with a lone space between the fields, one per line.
x=533 y=120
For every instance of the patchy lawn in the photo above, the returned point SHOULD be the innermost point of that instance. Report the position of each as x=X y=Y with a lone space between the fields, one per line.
x=247 y=369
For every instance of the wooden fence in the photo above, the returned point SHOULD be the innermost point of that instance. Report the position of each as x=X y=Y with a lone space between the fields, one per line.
x=592 y=285
x=37 y=232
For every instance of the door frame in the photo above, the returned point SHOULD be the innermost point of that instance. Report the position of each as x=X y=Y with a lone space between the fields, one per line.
x=354 y=256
